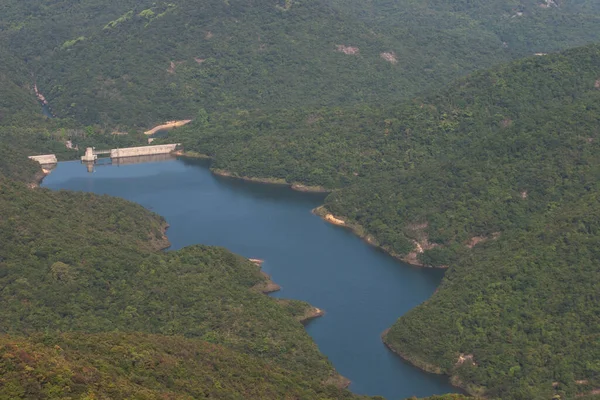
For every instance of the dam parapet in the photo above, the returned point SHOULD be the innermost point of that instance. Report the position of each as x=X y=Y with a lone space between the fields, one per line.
x=45 y=159
x=91 y=154
x=143 y=150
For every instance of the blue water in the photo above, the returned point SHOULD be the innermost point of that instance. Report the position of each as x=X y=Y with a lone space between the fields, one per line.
x=46 y=111
x=362 y=290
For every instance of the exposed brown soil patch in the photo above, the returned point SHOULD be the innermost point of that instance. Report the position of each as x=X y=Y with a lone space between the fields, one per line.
x=39 y=95
x=389 y=56
x=162 y=242
x=167 y=125
x=463 y=358
x=173 y=66
x=524 y=194
x=597 y=84
x=333 y=220
x=350 y=50
x=256 y=261
x=454 y=380
x=312 y=189
x=199 y=60
x=476 y=240
x=421 y=241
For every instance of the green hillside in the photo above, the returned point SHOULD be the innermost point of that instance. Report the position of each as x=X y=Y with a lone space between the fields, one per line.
x=495 y=176
x=90 y=308
x=134 y=63
x=141 y=366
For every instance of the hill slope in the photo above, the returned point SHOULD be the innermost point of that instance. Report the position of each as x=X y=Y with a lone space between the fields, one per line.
x=496 y=176
x=137 y=63
x=90 y=307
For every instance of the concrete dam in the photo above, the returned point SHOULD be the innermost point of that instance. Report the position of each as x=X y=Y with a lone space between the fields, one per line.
x=45 y=159
x=91 y=154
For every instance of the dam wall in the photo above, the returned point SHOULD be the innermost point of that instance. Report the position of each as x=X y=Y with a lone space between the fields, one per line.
x=142 y=159
x=143 y=151
x=45 y=159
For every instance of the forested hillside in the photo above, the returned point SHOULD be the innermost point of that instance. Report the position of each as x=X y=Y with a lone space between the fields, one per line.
x=134 y=63
x=495 y=176
x=90 y=308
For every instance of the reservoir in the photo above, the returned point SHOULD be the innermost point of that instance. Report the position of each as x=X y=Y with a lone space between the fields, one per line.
x=362 y=290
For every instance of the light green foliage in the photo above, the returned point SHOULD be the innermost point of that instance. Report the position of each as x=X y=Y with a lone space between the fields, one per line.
x=136 y=365
x=123 y=18
x=148 y=14
x=71 y=43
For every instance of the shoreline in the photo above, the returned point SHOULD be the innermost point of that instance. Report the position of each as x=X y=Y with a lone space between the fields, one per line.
x=359 y=231
x=191 y=154
x=162 y=243
x=267 y=286
x=431 y=369
x=309 y=315
x=298 y=187
x=271 y=181
x=339 y=381
x=38 y=178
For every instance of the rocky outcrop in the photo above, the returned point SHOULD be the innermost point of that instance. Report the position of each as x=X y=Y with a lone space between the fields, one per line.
x=333 y=220
x=266 y=286
x=310 y=314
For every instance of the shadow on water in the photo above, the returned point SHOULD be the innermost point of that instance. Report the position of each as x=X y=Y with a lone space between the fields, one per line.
x=257 y=190
x=362 y=290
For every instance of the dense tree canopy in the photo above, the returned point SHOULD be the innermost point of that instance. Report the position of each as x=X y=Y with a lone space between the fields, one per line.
x=134 y=63
x=89 y=306
x=495 y=176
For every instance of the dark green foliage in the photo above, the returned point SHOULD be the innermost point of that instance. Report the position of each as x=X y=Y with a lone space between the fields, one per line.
x=471 y=151
x=506 y=157
x=525 y=306
x=134 y=63
x=111 y=283
x=83 y=269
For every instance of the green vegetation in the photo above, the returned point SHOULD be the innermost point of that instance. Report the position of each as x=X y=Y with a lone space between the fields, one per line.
x=144 y=62
x=496 y=176
x=125 y=366
x=90 y=307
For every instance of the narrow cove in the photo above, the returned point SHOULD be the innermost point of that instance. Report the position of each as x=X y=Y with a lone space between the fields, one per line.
x=362 y=290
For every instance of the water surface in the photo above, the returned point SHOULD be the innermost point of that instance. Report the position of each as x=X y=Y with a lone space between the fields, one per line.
x=362 y=290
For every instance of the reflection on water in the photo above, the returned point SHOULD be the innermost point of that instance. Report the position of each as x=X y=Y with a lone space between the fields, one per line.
x=103 y=162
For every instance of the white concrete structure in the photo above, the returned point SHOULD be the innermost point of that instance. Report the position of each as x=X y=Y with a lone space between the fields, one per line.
x=45 y=159
x=143 y=151
x=89 y=155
